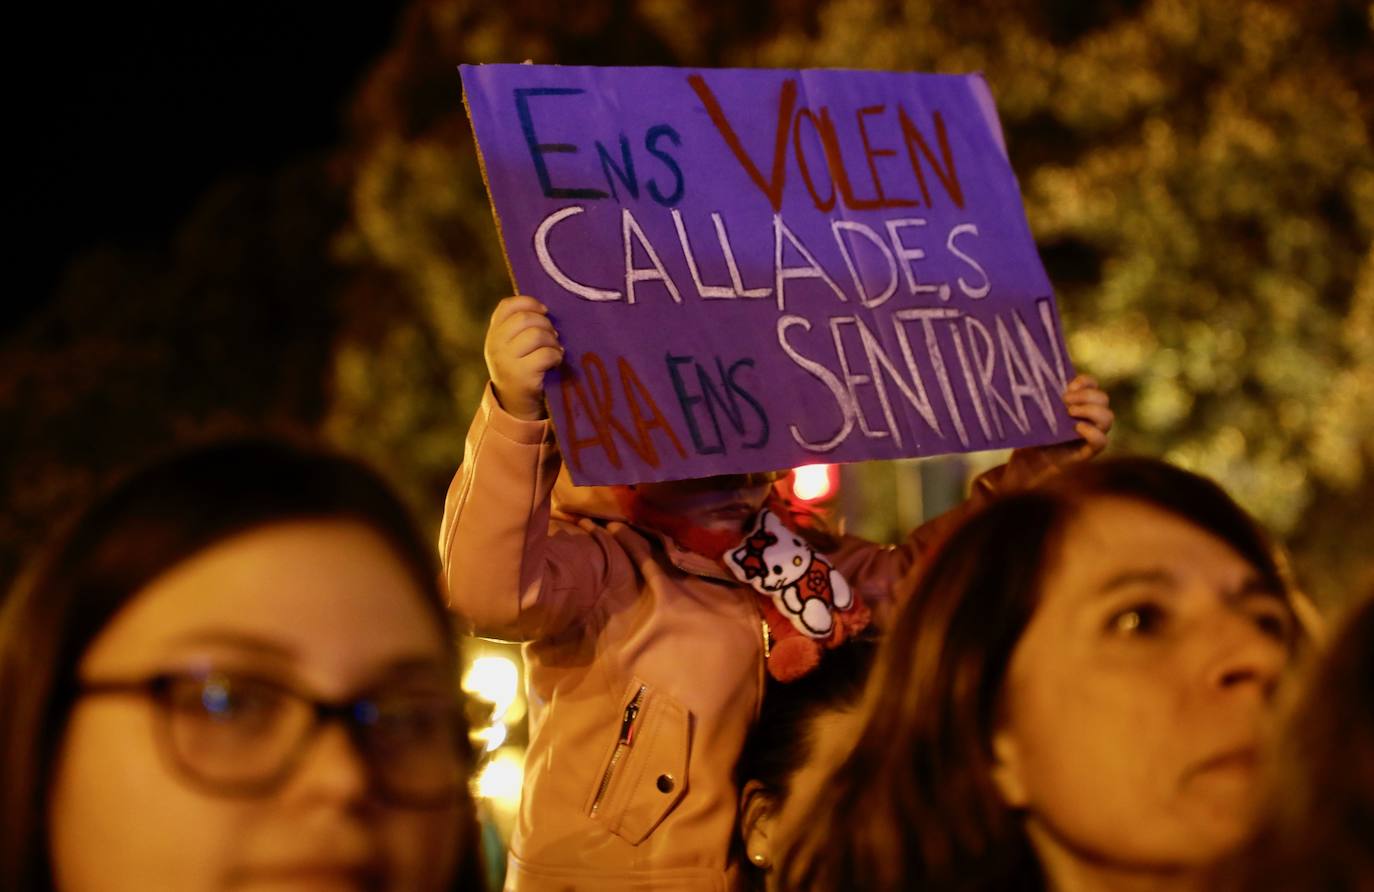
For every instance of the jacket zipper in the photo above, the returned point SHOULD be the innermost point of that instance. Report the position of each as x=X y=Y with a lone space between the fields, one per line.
x=623 y=743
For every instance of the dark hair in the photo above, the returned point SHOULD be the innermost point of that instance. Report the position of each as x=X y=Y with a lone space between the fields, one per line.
x=782 y=741
x=1316 y=828
x=777 y=745
x=913 y=804
x=150 y=522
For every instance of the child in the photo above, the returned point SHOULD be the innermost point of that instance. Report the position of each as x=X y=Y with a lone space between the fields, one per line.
x=646 y=656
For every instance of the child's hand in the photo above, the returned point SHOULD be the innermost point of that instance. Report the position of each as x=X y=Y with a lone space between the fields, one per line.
x=1088 y=404
x=521 y=346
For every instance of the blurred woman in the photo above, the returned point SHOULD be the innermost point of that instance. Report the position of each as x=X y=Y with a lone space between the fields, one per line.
x=235 y=672
x=797 y=728
x=1316 y=831
x=1073 y=697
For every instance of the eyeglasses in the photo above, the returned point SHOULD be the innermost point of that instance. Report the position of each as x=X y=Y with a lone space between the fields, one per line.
x=239 y=735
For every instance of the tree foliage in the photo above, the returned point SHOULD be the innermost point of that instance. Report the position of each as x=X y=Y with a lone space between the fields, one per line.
x=227 y=330
x=1199 y=176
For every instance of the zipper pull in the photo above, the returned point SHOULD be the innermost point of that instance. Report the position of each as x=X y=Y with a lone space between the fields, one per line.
x=627 y=724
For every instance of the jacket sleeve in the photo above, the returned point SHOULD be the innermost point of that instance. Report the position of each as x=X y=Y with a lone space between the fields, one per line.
x=510 y=571
x=875 y=570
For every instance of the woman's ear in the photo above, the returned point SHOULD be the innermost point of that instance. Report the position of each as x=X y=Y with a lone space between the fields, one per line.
x=757 y=815
x=1006 y=769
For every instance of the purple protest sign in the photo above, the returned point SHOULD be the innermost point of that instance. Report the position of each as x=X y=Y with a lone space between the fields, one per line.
x=759 y=269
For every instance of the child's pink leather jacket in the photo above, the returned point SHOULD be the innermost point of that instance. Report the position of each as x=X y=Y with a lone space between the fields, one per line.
x=645 y=662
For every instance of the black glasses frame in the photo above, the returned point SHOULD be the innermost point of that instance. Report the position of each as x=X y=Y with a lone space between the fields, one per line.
x=355 y=713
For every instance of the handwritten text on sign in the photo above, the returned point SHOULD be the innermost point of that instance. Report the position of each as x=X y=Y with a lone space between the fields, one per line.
x=756 y=269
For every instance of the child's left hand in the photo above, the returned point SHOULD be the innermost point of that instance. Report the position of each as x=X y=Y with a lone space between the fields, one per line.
x=1091 y=406
x=1087 y=403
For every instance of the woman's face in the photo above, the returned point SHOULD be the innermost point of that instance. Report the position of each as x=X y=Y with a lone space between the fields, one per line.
x=1136 y=700
x=321 y=607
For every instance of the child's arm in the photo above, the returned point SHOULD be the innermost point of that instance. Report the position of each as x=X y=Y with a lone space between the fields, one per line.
x=1086 y=402
x=874 y=569
x=508 y=573
x=1033 y=465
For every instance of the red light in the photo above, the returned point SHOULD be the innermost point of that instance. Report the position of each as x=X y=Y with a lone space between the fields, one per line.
x=815 y=483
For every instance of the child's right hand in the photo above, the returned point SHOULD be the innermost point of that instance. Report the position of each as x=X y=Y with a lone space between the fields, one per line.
x=521 y=346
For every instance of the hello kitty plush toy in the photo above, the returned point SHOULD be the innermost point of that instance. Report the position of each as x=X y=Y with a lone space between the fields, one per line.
x=807 y=604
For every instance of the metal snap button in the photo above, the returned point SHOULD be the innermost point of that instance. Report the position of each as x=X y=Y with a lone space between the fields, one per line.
x=666 y=783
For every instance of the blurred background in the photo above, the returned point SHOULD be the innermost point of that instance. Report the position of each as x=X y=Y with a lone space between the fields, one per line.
x=260 y=216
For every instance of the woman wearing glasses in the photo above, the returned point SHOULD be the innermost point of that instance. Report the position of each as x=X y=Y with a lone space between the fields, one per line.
x=235 y=672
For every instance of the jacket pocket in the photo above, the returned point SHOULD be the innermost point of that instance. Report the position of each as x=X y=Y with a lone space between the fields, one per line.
x=644 y=775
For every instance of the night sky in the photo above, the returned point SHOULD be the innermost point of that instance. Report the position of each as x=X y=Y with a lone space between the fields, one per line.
x=128 y=113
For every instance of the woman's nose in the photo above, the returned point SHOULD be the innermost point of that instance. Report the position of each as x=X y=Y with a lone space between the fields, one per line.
x=332 y=769
x=1246 y=657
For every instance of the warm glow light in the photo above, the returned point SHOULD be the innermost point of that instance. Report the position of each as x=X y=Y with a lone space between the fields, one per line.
x=492 y=736
x=495 y=680
x=811 y=483
x=500 y=781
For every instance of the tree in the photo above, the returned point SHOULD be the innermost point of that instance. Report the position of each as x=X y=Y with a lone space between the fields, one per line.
x=227 y=330
x=1199 y=176
x=422 y=242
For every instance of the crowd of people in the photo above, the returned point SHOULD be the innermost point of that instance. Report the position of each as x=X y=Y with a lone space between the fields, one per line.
x=238 y=669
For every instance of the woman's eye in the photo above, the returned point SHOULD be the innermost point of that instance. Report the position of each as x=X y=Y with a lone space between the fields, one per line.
x=410 y=723
x=226 y=700
x=1274 y=622
x=399 y=724
x=1141 y=619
